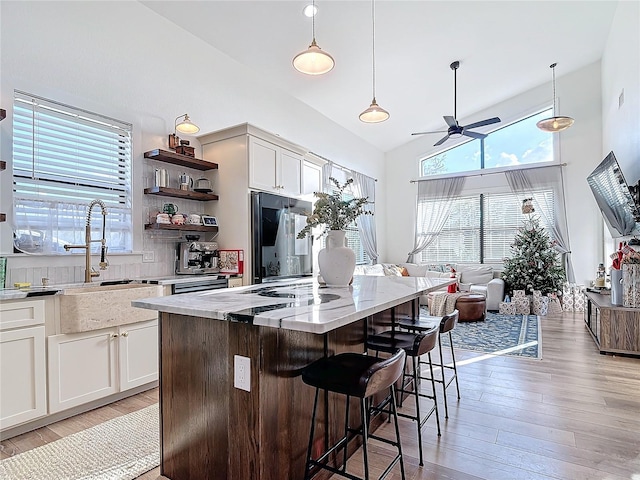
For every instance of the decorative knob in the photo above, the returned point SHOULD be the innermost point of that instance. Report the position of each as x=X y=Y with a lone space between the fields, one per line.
x=125 y=334
x=114 y=335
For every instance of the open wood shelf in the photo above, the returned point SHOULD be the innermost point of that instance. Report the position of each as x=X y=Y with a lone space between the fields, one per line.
x=177 y=193
x=188 y=228
x=178 y=159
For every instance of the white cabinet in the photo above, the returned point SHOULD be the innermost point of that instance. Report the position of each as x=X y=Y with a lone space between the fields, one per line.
x=138 y=354
x=23 y=394
x=91 y=365
x=273 y=168
x=311 y=178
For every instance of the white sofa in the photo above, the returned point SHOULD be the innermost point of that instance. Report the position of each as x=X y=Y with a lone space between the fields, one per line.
x=471 y=278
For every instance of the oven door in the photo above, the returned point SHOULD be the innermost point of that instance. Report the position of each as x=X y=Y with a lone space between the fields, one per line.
x=198 y=285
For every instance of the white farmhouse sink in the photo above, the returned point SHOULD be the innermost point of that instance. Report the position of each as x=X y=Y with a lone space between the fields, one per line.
x=93 y=307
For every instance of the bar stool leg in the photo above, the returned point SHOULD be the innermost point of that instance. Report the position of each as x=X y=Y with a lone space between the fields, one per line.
x=444 y=378
x=365 y=437
x=455 y=369
x=433 y=389
x=395 y=420
x=418 y=417
x=313 y=429
x=346 y=433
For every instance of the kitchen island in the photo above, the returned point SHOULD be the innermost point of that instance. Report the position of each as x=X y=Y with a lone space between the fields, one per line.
x=210 y=428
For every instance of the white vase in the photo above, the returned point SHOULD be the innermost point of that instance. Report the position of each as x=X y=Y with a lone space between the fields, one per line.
x=336 y=261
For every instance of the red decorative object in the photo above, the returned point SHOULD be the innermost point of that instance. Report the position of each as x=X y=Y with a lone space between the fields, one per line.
x=453 y=288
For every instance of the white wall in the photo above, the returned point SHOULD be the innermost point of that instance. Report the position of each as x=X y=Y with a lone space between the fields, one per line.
x=621 y=72
x=123 y=60
x=580 y=147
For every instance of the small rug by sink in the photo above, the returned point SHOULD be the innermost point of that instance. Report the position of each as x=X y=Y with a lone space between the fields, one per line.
x=517 y=335
x=119 y=449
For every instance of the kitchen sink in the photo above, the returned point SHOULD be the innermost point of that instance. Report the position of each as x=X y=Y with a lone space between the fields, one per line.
x=92 y=307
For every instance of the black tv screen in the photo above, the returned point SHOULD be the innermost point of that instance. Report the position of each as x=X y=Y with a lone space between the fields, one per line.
x=614 y=198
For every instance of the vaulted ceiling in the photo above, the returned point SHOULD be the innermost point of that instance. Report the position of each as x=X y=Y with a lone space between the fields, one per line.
x=504 y=48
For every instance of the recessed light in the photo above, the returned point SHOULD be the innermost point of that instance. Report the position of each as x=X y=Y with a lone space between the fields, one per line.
x=310 y=10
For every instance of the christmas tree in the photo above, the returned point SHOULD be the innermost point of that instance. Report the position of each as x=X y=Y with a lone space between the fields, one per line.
x=534 y=264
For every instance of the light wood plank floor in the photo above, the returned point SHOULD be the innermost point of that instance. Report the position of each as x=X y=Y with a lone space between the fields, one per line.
x=574 y=414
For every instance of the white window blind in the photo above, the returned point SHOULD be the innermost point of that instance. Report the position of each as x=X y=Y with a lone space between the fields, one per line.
x=502 y=217
x=63 y=158
x=459 y=240
x=472 y=235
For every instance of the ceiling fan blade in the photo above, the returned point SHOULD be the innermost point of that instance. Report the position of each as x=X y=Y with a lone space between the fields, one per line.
x=424 y=133
x=482 y=123
x=441 y=141
x=473 y=134
x=450 y=121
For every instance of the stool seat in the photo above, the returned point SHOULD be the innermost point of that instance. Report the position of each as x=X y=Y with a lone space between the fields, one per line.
x=414 y=344
x=352 y=373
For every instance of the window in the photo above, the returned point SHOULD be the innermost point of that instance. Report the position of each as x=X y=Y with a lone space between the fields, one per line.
x=520 y=143
x=481 y=228
x=63 y=158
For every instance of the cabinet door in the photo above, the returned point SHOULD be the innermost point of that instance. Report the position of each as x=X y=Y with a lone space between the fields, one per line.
x=290 y=173
x=138 y=354
x=311 y=178
x=82 y=367
x=23 y=395
x=263 y=165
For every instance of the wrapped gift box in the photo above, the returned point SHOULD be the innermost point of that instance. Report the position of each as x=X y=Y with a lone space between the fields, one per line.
x=518 y=293
x=522 y=305
x=554 y=304
x=507 y=308
x=540 y=305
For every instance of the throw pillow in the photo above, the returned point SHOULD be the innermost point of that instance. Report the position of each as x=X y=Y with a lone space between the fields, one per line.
x=415 y=270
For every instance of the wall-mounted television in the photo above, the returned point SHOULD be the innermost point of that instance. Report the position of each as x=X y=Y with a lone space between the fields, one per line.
x=619 y=204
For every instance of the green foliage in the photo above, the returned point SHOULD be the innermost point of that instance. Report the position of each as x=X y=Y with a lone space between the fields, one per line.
x=534 y=264
x=332 y=211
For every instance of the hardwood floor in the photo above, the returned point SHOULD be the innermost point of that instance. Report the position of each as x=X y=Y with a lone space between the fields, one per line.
x=574 y=414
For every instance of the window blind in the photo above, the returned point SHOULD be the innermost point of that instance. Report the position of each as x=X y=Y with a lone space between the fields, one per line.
x=63 y=158
x=502 y=217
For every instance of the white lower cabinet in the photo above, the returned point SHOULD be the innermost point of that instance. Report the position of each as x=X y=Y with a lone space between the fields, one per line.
x=91 y=365
x=23 y=396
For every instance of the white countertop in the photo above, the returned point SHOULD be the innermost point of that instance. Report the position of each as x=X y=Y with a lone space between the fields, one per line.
x=300 y=305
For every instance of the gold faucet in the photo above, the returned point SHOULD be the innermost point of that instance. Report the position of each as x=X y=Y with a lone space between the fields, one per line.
x=90 y=272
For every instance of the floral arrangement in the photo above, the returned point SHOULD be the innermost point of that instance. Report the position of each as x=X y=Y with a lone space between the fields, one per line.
x=332 y=211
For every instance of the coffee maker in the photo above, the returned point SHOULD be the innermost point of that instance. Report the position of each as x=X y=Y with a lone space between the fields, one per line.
x=197 y=258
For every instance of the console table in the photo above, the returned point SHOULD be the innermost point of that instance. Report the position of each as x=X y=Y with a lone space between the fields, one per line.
x=615 y=329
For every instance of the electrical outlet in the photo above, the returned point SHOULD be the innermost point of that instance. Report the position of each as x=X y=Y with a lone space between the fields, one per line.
x=242 y=372
x=148 y=257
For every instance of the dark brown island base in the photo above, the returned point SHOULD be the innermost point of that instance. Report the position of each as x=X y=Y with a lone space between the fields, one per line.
x=212 y=430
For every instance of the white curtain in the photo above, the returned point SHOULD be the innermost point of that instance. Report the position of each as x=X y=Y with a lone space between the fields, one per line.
x=529 y=180
x=432 y=210
x=364 y=186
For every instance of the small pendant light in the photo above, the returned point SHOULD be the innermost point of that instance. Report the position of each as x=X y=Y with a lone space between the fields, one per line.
x=313 y=61
x=375 y=113
x=557 y=123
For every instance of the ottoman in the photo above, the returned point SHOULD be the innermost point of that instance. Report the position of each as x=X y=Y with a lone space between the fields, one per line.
x=471 y=307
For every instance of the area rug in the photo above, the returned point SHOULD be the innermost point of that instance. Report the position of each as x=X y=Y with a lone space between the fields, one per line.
x=119 y=449
x=517 y=335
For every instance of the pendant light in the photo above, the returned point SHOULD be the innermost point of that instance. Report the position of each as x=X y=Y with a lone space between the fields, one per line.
x=313 y=61
x=557 y=123
x=375 y=113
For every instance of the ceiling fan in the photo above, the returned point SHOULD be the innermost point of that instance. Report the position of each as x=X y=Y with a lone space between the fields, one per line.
x=455 y=129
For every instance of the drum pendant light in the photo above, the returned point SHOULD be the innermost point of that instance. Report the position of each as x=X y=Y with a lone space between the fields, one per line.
x=313 y=61
x=557 y=123
x=375 y=113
